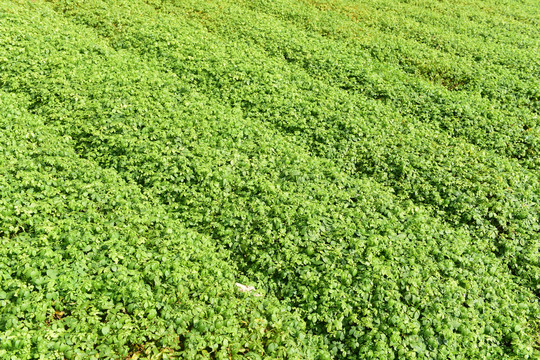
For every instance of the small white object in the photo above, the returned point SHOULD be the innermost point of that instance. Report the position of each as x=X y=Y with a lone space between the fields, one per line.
x=246 y=288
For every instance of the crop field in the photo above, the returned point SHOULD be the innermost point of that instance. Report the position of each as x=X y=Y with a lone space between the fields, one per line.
x=269 y=179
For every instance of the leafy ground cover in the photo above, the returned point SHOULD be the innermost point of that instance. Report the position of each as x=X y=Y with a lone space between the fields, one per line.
x=371 y=168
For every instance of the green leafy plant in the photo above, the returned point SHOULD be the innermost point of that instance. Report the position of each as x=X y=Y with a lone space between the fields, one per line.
x=368 y=171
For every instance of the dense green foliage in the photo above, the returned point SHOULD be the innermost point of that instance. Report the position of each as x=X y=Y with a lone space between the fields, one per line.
x=91 y=266
x=371 y=168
